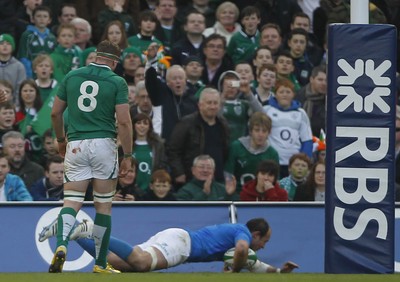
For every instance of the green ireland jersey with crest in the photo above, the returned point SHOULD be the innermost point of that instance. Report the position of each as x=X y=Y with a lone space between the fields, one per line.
x=91 y=94
x=243 y=161
x=236 y=112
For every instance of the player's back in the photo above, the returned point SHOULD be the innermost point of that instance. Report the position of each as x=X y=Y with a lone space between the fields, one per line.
x=91 y=94
x=211 y=242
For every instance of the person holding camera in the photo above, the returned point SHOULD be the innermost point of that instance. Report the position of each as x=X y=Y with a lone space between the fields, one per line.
x=236 y=110
x=127 y=190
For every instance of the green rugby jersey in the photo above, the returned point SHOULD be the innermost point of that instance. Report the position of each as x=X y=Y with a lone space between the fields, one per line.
x=91 y=94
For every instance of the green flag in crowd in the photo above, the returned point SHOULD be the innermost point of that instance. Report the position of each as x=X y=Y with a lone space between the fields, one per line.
x=42 y=121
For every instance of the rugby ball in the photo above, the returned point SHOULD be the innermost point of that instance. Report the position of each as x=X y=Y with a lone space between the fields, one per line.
x=251 y=258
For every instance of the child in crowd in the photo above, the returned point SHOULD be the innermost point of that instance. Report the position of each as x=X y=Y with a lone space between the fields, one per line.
x=49 y=147
x=88 y=56
x=243 y=44
x=236 y=111
x=285 y=69
x=291 y=130
x=43 y=68
x=160 y=187
x=11 y=69
x=262 y=56
x=7 y=118
x=245 y=71
x=265 y=187
x=67 y=55
x=29 y=105
x=148 y=23
x=299 y=166
x=247 y=152
x=8 y=91
x=36 y=39
x=115 y=33
x=115 y=11
x=266 y=79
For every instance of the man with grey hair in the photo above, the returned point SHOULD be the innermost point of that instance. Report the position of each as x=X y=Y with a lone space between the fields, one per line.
x=202 y=132
x=83 y=33
x=203 y=187
x=171 y=95
x=14 y=149
x=144 y=105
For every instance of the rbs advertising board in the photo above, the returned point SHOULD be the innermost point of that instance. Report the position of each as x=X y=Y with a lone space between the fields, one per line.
x=361 y=106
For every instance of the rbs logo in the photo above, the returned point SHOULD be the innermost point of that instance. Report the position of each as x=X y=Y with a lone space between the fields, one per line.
x=362 y=146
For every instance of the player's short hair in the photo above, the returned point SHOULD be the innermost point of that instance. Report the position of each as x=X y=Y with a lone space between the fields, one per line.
x=108 y=48
x=300 y=156
x=260 y=119
x=160 y=175
x=258 y=224
x=40 y=58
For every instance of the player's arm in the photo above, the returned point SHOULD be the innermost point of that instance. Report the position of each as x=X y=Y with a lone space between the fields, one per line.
x=240 y=255
x=57 y=111
x=124 y=134
x=262 y=267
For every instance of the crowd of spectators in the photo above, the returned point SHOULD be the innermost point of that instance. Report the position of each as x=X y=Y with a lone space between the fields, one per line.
x=227 y=98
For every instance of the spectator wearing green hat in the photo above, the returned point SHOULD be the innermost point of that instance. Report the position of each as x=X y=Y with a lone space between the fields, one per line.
x=131 y=59
x=88 y=56
x=11 y=69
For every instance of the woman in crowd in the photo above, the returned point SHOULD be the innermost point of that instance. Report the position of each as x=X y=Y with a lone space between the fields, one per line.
x=226 y=24
x=148 y=149
x=314 y=187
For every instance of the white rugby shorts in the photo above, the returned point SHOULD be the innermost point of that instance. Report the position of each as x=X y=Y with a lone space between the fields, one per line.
x=173 y=243
x=91 y=158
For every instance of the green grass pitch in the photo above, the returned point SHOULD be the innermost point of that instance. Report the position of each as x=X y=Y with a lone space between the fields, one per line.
x=195 y=277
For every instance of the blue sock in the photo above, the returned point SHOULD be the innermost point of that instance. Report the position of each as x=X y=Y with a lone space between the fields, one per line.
x=87 y=245
x=118 y=247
